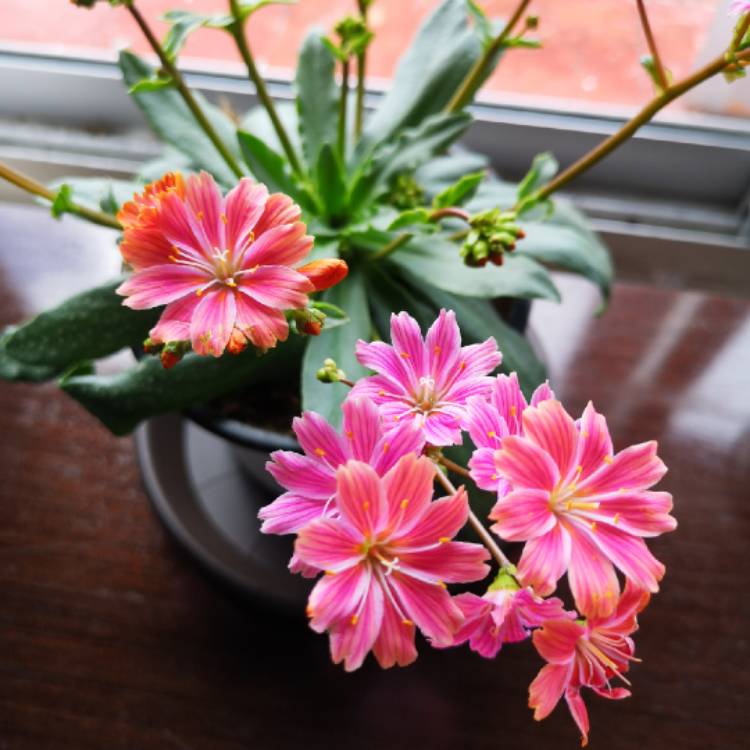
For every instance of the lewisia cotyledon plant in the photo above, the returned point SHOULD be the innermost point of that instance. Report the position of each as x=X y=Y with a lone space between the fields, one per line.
x=224 y=266
x=367 y=524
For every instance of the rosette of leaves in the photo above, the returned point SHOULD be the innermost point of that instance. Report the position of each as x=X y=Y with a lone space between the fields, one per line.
x=368 y=199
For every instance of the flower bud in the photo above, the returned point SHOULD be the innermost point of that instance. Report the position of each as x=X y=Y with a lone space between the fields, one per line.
x=325 y=273
x=173 y=352
x=237 y=342
x=493 y=233
x=330 y=372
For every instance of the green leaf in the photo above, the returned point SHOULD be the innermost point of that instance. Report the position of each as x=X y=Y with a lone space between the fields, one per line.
x=173 y=122
x=12 y=369
x=435 y=260
x=248 y=8
x=479 y=320
x=63 y=201
x=317 y=96
x=90 y=325
x=444 y=50
x=482 y=23
x=339 y=344
x=460 y=191
x=543 y=169
x=100 y=193
x=121 y=401
x=257 y=122
x=183 y=23
x=267 y=165
x=409 y=218
x=330 y=181
x=441 y=172
x=150 y=84
x=413 y=148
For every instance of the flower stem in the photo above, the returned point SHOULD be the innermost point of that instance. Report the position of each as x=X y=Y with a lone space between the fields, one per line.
x=450 y=212
x=655 y=105
x=473 y=80
x=475 y=523
x=653 y=49
x=361 y=69
x=187 y=96
x=342 y=108
x=392 y=246
x=238 y=32
x=36 y=188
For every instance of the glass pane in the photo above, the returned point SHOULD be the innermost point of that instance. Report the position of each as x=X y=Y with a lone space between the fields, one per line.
x=590 y=55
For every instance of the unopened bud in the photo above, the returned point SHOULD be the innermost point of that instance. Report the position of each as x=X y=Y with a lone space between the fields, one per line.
x=330 y=372
x=307 y=320
x=237 y=342
x=312 y=328
x=150 y=346
x=325 y=273
x=532 y=22
x=493 y=233
x=173 y=352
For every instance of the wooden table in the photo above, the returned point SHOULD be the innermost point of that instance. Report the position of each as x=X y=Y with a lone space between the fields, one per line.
x=110 y=637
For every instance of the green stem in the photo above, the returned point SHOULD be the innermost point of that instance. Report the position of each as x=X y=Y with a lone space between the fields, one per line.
x=476 y=524
x=392 y=246
x=658 y=103
x=36 y=188
x=343 y=101
x=187 y=96
x=238 y=32
x=473 y=80
x=361 y=69
x=660 y=72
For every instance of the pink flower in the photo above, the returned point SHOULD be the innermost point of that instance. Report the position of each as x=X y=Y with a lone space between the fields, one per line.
x=491 y=419
x=427 y=381
x=580 y=508
x=387 y=557
x=738 y=7
x=503 y=615
x=310 y=479
x=221 y=265
x=585 y=655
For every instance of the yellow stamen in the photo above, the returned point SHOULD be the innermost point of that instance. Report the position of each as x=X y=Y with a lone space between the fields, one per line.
x=513 y=410
x=608 y=460
x=230 y=282
x=320 y=452
x=381 y=393
x=386 y=446
x=491 y=434
x=408 y=623
x=350 y=434
x=355 y=619
x=442 y=584
x=224 y=219
x=581 y=505
x=462 y=366
x=494 y=476
x=437 y=350
x=309 y=611
x=330 y=572
x=404 y=503
x=444 y=539
x=199 y=216
x=616 y=519
x=405 y=355
x=198 y=292
x=366 y=505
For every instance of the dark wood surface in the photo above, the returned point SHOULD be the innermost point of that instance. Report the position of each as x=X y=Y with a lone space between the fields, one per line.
x=110 y=637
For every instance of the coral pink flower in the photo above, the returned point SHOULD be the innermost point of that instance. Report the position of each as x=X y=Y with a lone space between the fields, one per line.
x=503 y=615
x=585 y=655
x=221 y=265
x=427 y=381
x=580 y=508
x=387 y=557
x=491 y=419
x=310 y=480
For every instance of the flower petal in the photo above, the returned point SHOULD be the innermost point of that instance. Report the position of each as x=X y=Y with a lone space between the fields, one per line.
x=362 y=427
x=395 y=642
x=204 y=200
x=551 y=428
x=160 y=285
x=509 y=401
x=319 y=440
x=450 y=562
x=441 y=520
x=289 y=513
x=302 y=474
x=591 y=575
x=353 y=638
x=174 y=323
x=524 y=464
x=483 y=470
x=360 y=497
x=283 y=245
x=381 y=357
x=485 y=424
x=523 y=514
x=643 y=513
x=429 y=606
x=336 y=597
x=408 y=344
x=443 y=345
x=556 y=640
x=275 y=286
x=408 y=491
x=547 y=688
x=479 y=359
x=542 y=393
x=278 y=209
x=401 y=440
x=213 y=321
x=328 y=544
x=578 y=712
x=243 y=208
x=544 y=560
x=263 y=325
x=635 y=468
x=441 y=429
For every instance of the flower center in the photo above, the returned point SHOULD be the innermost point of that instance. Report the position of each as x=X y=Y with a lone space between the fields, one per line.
x=425 y=397
x=224 y=267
